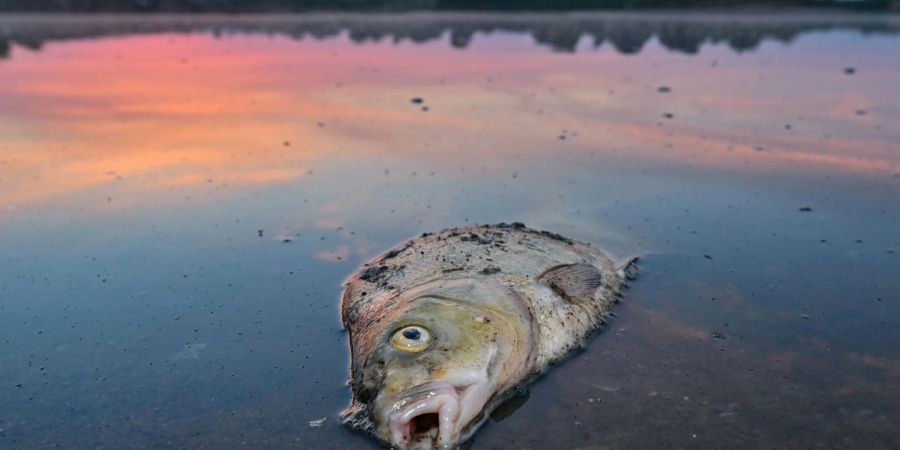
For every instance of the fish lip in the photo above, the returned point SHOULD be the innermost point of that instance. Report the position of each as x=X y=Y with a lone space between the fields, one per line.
x=440 y=397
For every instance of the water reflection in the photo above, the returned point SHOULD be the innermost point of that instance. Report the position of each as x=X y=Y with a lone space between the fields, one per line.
x=627 y=33
x=179 y=207
x=196 y=111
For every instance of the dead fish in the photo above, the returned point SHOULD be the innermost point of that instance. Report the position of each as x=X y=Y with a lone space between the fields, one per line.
x=445 y=327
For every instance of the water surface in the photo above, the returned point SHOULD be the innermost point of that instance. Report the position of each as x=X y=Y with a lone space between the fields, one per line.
x=181 y=198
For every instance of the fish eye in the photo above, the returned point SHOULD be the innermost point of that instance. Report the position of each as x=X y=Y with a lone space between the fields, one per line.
x=412 y=338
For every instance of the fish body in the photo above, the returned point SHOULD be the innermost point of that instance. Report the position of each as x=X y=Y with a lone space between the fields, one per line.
x=444 y=327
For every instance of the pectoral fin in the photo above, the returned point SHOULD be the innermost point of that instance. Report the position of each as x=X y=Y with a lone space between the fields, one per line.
x=575 y=283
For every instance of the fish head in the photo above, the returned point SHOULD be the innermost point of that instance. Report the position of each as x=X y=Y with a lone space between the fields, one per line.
x=438 y=366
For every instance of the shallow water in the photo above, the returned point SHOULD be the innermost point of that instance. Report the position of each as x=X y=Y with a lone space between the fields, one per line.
x=181 y=198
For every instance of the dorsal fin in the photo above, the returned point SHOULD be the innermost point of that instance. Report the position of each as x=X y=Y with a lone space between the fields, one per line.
x=573 y=282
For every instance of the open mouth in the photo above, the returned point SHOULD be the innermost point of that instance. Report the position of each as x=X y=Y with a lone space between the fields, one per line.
x=424 y=426
x=427 y=416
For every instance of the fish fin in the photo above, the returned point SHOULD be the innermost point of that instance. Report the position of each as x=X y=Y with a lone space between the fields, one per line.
x=573 y=282
x=357 y=417
x=508 y=406
x=628 y=269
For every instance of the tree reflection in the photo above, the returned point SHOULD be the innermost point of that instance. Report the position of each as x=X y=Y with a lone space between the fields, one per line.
x=627 y=33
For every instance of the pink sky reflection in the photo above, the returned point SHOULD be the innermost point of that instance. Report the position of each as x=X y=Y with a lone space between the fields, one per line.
x=160 y=111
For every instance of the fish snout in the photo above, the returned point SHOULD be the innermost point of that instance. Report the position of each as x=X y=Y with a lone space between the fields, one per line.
x=426 y=417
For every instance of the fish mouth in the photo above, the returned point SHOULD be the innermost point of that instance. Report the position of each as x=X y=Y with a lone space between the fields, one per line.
x=428 y=416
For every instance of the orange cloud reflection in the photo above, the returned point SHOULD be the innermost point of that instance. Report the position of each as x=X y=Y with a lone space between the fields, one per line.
x=156 y=112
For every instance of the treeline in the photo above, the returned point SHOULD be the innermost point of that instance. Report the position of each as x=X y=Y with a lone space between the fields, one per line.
x=247 y=6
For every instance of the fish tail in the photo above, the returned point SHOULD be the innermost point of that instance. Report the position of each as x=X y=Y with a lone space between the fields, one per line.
x=628 y=269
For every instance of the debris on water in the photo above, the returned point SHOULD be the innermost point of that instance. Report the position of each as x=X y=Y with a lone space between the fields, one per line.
x=861 y=112
x=606 y=388
x=417 y=100
x=286 y=240
x=805 y=209
x=787 y=126
x=425 y=108
x=664 y=89
x=653 y=393
x=719 y=336
x=190 y=351
x=668 y=115
x=259 y=233
x=849 y=70
x=565 y=134
x=317 y=423
x=707 y=256
x=804 y=316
